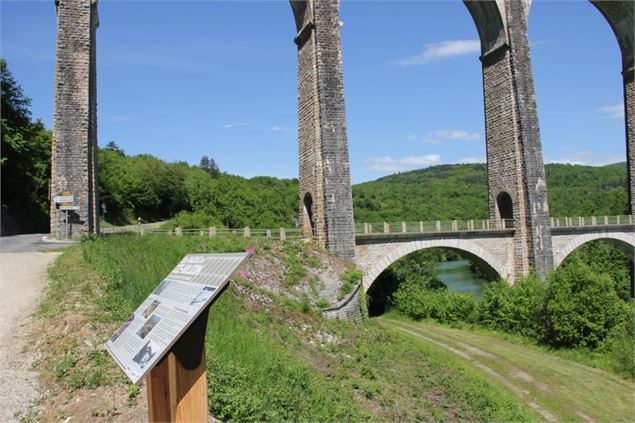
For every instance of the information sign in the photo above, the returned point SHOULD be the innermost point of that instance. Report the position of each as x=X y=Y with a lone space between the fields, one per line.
x=169 y=310
x=63 y=199
x=69 y=207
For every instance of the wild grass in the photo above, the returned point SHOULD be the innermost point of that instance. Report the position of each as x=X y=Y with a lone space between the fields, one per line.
x=277 y=360
x=566 y=389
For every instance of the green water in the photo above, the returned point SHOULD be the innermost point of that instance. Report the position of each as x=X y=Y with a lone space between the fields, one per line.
x=458 y=277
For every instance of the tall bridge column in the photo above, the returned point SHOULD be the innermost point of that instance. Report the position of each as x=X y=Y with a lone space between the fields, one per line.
x=74 y=147
x=326 y=204
x=516 y=175
x=620 y=17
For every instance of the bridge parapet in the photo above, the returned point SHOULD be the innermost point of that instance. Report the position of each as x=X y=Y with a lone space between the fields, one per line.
x=436 y=226
x=408 y=229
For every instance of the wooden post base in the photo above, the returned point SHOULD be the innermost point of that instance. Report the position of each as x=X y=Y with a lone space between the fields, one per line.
x=176 y=394
x=177 y=386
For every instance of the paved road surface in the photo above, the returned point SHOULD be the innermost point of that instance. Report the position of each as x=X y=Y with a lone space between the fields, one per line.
x=29 y=243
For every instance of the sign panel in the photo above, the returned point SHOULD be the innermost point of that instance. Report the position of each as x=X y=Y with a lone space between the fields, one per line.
x=69 y=207
x=169 y=310
x=63 y=199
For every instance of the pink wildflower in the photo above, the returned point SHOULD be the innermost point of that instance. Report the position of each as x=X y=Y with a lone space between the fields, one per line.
x=250 y=250
x=243 y=274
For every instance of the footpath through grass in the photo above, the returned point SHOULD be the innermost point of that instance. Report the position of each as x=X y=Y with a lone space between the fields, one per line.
x=268 y=358
x=558 y=388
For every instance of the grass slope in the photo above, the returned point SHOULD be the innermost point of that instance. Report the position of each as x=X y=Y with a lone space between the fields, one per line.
x=559 y=389
x=268 y=358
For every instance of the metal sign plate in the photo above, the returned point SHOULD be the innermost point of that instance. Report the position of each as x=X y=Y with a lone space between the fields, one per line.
x=69 y=207
x=154 y=327
x=63 y=199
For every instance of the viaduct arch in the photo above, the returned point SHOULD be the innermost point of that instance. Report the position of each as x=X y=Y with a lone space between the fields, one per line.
x=472 y=249
x=568 y=244
x=514 y=150
x=491 y=250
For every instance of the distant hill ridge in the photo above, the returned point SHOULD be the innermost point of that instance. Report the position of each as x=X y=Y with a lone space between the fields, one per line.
x=459 y=191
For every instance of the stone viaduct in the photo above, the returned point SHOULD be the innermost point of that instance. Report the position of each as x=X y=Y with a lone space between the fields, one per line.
x=491 y=248
x=516 y=177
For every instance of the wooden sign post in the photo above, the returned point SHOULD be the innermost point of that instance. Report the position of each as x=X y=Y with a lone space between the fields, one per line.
x=177 y=386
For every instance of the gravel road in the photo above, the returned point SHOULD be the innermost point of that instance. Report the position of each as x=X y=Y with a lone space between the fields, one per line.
x=22 y=278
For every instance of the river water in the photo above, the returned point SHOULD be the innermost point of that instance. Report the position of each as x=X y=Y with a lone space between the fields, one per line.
x=458 y=277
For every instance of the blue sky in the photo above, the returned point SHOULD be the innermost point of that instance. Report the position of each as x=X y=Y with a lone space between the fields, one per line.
x=184 y=79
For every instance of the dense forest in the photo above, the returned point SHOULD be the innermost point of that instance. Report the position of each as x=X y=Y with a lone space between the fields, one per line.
x=144 y=186
x=24 y=161
x=147 y=188
x=460 y=192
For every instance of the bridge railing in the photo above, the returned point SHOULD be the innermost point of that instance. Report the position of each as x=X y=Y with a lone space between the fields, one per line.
x=579 y=221
x=435 y=226
x=280 y=233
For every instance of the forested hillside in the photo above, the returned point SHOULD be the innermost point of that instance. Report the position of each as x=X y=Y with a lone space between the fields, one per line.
x=460 y=192
x=144 y=186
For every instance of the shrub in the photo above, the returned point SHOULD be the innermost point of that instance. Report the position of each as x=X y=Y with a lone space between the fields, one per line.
x=414 y=299
x=620 y=343
x=460 y=306
x=494 y=305
x=581 y=307
x=411 y=299
x=193 y=220
x=516 y=308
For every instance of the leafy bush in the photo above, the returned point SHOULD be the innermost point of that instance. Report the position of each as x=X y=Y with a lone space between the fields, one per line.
x=460 y=306
x=581 y=307
x=513 y=308
x=414 y=299
x=193 y=220
x=620 y=344
x=411 y=299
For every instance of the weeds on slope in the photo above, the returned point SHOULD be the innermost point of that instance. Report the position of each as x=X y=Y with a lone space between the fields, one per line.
x=268 y=358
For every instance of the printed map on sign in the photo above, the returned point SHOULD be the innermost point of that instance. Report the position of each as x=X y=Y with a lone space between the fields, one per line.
x=169 y=310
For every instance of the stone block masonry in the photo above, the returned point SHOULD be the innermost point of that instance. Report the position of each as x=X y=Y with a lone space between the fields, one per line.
x=514 y=150
x=74 y=148
x=620 y=16
x=323 y=143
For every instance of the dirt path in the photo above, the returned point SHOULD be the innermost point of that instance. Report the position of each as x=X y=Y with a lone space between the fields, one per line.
x=559 y=389
x=21 y=281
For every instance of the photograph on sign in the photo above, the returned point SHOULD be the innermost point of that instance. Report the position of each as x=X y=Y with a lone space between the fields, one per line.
x=169 y=310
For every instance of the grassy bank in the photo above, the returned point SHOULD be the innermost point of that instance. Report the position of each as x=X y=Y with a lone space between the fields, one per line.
x=560 y=388
x=268 y=358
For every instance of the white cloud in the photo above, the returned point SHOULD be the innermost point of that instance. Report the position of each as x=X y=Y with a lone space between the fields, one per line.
x=280 y=128
x=457 y=135
x=392 y=164
x=439 y=51
x=589 y=158
x=612 y=112
x=235 y=125
x=471 y=160
x=437 y=137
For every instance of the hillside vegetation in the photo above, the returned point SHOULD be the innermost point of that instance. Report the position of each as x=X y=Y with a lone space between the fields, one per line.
x=144 y=186
x=269 y=357
x=460 y=192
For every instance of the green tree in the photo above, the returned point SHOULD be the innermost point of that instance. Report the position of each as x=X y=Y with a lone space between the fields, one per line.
x=24 y=161
x=210 y=166
x=581 y=307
